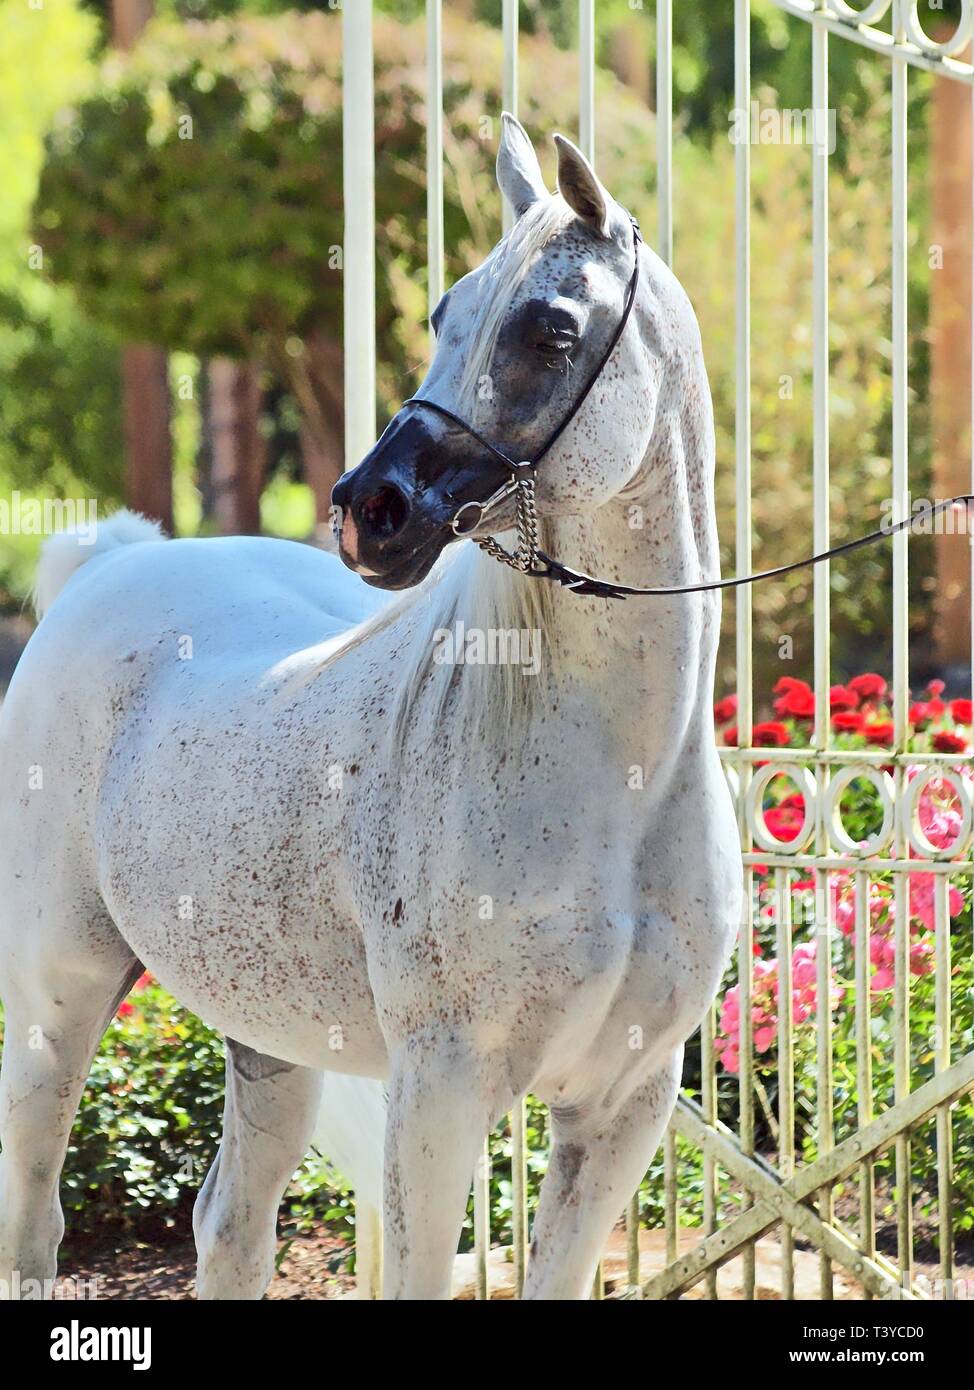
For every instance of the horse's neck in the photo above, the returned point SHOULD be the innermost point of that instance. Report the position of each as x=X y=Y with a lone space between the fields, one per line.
x=646 y=664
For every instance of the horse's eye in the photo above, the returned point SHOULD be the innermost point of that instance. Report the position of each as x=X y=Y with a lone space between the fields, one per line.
x=553 y=347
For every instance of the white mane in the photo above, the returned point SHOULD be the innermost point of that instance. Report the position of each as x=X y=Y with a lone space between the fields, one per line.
x=498 y=280
x=464 y=586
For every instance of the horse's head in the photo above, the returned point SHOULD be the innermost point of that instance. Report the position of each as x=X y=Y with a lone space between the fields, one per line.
x=517 y=340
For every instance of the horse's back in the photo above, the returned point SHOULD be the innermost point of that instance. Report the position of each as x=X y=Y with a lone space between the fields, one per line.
x=175 y=760
x=134 y=612
x=279 y=584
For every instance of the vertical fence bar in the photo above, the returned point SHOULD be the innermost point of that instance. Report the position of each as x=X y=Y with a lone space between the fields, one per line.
x=358 y=249
x=864 y=1067
x=519 y=1192
x=586 y=140
x=481 y=1220
x=632 y=1242
x=708 y=1077
x=786 y=1068
x=900 y=542
x=742 y=408
x=434 y=151
x=509 y=23
x=745 y=977
x=941 y=1061
x=664 y=127
x=820 y=471
x=742 y=435
x=901 y=661
x=586 y=78
x=664 y=194
x=823 y=1052
x=820 y=368
x=670 y=1194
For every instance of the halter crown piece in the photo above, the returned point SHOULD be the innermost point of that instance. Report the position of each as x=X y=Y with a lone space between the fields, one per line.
x=531 y=561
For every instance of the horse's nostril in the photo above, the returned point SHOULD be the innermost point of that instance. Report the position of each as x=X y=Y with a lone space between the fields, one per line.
x=384 y=513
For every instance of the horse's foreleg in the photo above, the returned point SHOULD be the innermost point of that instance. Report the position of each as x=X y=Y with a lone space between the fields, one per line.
x=269 y=1115
x=592 y=1174
x=55 y=1018
x=439 y=1112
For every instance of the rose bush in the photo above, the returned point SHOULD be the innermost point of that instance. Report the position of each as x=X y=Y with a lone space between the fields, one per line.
x=861 y=718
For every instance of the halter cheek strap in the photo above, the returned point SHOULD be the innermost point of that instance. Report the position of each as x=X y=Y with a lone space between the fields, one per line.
x=533 y=562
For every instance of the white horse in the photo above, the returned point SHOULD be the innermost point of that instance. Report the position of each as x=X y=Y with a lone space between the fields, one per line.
x=463 y=879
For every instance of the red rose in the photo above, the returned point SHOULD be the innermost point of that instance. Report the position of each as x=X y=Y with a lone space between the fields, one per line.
x=848 y=722
x=949 y=743
x=935 y=688
x=868 y=686
x=880 y=732
x=770 y=735
x=784 y=822
x=725 y=709
x=920 y=715
x=961 y=711
x=799 y=704
x=730 y=737
x=841 y=697
x=787 y=684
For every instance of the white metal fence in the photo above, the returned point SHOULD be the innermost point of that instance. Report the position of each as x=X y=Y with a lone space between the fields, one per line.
x=743 y=1194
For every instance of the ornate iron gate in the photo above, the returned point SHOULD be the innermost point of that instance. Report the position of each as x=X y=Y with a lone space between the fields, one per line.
x=794 y=1193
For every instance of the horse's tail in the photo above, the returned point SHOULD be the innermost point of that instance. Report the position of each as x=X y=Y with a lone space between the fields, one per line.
x=69 y=550
x=351 y=1134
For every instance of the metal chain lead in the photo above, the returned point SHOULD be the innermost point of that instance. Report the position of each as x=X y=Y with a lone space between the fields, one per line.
x=524 y=558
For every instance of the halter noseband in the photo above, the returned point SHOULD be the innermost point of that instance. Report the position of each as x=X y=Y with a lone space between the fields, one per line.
x=533 y=562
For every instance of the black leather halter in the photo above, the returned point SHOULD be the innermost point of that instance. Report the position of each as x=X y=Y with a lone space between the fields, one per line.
x=535 y=564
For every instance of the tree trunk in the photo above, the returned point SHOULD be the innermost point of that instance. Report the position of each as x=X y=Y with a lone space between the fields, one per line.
x=630 y=58
x=239 y=453
x=316 y=380
x=148 y=447
x=950 y=359
x=145 y=385
x=129 y=18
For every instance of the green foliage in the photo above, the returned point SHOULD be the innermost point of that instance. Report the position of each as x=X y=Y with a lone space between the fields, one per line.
x=32 y=93
x=149 y=1125
x=149 y=1121
x=195 y=199
x=60 y=400
x=781 y=376
x=60 y=422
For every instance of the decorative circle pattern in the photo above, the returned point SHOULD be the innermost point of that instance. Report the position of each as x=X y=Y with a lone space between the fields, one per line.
x=910 y=813
x=872 y=12
x=754 y=807
x=885 y=790
x=945 y=48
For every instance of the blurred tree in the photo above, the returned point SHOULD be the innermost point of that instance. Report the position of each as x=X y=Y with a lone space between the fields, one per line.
x=195 y=201
x=145 y=368
x=60 y=424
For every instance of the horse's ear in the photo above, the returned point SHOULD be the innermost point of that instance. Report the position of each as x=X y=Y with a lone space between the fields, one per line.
x=518 y=170
x=580 y=188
